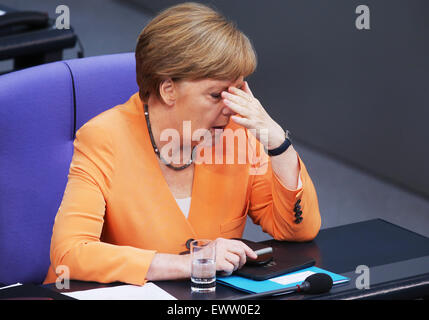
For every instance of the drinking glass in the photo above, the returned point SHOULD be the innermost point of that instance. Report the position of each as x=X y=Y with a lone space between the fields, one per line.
x=203 y=268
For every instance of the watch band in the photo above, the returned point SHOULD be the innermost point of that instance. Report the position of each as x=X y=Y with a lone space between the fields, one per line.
x=283 y=147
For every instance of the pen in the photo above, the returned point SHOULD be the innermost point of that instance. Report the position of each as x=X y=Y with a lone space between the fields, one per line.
x=264 y=251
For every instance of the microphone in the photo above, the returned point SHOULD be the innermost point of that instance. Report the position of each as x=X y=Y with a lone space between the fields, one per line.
x=314 y=284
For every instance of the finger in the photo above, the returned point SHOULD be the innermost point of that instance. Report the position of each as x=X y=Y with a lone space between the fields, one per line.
x=236 y=107
x=247 y=89
x=226 y=268
x=224 y=273
x=235 y=98
x=249 y=252
x=240 y=252
x=240 y=93
x=233 y=258
x=242 y=121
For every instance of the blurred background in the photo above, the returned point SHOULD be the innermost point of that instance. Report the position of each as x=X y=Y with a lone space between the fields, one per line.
x=356 y=101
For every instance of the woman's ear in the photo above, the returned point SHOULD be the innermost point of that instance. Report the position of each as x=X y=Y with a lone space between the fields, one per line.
x=168 y=91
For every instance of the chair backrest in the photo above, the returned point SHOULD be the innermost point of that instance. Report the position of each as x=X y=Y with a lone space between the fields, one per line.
x=40 y=110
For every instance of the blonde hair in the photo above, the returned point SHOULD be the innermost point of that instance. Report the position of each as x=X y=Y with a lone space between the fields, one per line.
x=191 y=41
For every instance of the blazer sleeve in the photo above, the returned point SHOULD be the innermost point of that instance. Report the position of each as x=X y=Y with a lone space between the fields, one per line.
x=78 y=225
x=273 y=206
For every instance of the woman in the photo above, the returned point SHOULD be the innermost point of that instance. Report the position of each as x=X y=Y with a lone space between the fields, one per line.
x=142 y=181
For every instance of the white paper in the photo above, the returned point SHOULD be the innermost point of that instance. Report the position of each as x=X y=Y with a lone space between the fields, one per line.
x=292 y=278
x=149 y=291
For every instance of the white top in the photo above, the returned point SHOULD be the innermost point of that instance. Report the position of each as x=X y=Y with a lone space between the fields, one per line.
x=184 y=205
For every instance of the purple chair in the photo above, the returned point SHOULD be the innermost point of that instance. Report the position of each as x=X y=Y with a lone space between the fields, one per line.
x=40 y=110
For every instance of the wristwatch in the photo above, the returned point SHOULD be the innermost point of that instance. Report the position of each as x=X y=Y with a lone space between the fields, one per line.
x=283 y=147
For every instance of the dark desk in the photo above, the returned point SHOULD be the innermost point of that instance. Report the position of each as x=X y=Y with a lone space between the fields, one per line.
x=398 y=262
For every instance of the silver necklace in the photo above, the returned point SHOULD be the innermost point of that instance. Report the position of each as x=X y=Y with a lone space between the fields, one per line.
x=156 y=150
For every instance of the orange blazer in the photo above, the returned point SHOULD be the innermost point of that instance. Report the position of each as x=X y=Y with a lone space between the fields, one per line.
x=118 y=211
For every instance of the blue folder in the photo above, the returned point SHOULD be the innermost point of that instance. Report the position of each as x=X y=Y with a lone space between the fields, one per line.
x=253 y=286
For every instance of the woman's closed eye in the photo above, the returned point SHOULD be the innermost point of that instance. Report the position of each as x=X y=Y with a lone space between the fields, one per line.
x=216 y=95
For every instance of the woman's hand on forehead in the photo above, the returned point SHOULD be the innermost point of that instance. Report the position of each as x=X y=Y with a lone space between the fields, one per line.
x=252 y=115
